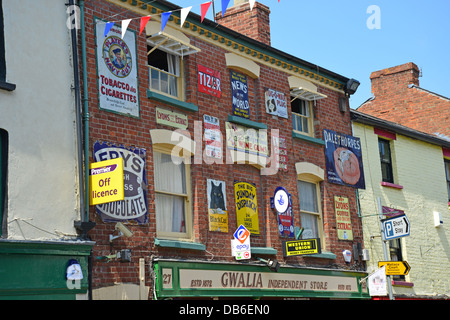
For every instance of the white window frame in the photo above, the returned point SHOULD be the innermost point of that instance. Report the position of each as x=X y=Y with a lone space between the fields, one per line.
x=188 y=234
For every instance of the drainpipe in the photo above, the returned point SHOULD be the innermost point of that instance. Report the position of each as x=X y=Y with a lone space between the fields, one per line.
x=85 y=114
x=78 y=113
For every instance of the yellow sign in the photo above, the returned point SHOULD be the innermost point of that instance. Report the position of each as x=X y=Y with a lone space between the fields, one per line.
x=106 y=181
x=299 y=247
x=395 y=268
x=246 y=206
x=343 y=221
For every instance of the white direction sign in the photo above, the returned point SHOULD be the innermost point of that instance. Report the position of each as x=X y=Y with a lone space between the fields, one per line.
x=396 y=227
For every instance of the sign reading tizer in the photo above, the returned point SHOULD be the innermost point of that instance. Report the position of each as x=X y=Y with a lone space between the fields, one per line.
x=395 y=268
x=396 y=227
x=106 y=181
x=299 y=247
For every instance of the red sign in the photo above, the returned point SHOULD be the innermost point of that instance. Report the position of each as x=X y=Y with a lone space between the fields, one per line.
x=209 y=81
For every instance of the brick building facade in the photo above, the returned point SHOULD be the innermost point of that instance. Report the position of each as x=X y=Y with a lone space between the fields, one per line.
x=181 y=242
x=398 y=97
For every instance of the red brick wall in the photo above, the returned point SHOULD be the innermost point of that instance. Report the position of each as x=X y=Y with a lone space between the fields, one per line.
x=119 y=129
x=412 y=107
x=254 y=24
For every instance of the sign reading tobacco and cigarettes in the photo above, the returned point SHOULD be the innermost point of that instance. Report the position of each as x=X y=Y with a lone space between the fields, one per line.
x=106 y=181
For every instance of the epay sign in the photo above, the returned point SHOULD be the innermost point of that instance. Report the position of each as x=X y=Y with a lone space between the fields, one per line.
x=240 y=245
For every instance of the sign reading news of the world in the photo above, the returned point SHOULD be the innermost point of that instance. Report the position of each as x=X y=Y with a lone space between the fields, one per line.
x=117 y=70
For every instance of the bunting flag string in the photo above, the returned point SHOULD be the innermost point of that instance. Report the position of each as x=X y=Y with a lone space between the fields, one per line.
x=204 y=9
x=184 y=12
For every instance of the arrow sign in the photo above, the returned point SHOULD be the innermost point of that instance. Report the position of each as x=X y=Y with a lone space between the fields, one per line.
x=395 y=268
x=396 y=227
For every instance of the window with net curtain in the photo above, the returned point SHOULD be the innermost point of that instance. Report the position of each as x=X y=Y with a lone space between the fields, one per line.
x=309 y=209
x=171 y=194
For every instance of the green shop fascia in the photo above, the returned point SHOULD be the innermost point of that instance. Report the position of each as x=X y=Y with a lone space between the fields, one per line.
x=36 y=270
x=192 y=278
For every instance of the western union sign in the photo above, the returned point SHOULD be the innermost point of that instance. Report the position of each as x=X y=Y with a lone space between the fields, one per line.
x=299 y=247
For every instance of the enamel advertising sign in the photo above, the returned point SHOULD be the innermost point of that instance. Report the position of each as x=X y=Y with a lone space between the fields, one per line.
x=209 y=81
x=134 y=207
x=343 y=159
x=246 y=206
x=117 y=70
x=239 y=94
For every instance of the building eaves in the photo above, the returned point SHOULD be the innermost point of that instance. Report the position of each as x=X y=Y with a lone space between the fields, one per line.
x=364 y=118
x=314 y=71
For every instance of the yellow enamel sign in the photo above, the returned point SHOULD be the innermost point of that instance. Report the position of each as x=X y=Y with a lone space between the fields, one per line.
x=246 y=206
x=106 y=181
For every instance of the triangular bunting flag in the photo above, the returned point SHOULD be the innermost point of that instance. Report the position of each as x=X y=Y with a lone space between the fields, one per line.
x=252 y=3
x=164 y=18
x=125 y=24
x=144 y=21
x=108 y=27
x=204 y=9
x=184 y=13
x=224 y=6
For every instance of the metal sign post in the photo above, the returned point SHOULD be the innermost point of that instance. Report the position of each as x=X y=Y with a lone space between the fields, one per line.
x=385 y=247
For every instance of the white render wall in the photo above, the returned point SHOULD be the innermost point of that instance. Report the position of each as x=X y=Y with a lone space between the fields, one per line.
x=419 y=168
x=40 y=119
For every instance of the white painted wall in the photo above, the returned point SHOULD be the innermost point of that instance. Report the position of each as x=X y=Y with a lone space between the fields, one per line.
x=40 y=119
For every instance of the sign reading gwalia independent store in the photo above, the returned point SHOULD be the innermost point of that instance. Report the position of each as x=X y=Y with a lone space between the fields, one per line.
x=225 y=279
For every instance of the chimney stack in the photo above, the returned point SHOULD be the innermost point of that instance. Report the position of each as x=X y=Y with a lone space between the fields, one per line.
x=395 y=79
x=253 y=23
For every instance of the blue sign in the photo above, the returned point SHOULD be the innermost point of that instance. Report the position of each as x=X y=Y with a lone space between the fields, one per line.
x=396 y=227
x=239 y=95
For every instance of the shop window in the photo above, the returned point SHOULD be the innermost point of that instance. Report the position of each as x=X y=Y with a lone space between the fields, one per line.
x=385 y=160
x=310 y=209
x=3 y=171
x=447 y=175
x=302 y=117
x=164 y=72
x=172 y=195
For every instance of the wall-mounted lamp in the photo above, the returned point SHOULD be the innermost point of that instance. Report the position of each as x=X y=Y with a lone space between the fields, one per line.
x=351 y=86
x=123 y=231
x=273 y=265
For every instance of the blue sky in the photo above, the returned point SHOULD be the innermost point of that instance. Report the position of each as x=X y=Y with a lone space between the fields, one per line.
x=334 y=35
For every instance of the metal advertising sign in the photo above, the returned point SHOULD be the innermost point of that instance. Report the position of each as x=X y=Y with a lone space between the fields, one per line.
x=209 y=81
x=300 y=247
x=276 y=103
x=134 y=207
x=246 y=206
x=106 y=181
x=396 y=227
x=217 y=205
x=282 y=202
x=343 y=159
x=117 y=70
x=343 y=221
x=239 y=94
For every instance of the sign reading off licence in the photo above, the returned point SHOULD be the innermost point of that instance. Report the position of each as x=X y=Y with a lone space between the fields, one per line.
x=106 y=181
x=299 y=247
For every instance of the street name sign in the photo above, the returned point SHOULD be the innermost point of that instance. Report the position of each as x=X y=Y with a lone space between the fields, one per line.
x=395 y=268
x=396 y=227
x=300 y=247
